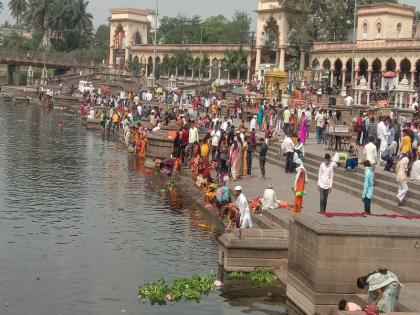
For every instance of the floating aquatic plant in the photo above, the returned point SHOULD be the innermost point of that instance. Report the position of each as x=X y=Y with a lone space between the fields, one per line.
x=258 y=276
x=189 y=289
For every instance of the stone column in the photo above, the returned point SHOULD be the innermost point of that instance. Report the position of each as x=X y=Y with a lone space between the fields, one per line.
x=219 y=74
x=369 y=81
x=368 y=97
x=111 y=56
x=209 y=72
x=258 y=62
x=401 y=99
x=398 y=77
x=302 y=60
x=277 y=63
x=282 y=57
x=382 y=80
x=331 y=77
x=343 y=83
x=248 y=73
x=147 y=72
x=413 y=74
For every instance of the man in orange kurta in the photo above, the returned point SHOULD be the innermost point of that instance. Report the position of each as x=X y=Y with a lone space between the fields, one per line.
x=299 y=186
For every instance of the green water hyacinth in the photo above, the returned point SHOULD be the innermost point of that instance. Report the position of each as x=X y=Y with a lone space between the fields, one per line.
x=188 y=289
x=258 y=276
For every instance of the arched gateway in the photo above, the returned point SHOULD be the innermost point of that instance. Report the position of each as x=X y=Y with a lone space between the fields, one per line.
x=271 y=17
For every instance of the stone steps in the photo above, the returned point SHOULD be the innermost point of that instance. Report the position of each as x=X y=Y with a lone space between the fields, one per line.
x=263 y=222
x=346 y=183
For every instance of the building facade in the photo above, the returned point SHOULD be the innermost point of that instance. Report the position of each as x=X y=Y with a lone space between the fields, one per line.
x=386 y=49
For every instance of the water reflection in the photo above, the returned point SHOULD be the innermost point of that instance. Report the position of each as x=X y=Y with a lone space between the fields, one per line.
x=81 y=225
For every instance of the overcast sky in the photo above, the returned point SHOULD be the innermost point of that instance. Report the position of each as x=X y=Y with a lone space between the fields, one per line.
x=204 y=8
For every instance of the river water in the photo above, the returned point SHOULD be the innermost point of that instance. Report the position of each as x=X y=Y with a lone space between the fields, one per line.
x=81 y=226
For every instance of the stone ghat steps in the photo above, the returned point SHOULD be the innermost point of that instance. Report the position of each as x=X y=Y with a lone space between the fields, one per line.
x=345 y=181
x=382 y=179
x=264 y=222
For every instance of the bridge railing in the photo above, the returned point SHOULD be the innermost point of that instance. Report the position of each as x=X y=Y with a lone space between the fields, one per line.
x=73 y=59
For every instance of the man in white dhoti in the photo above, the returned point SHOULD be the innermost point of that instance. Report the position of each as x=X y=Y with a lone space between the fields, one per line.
x=242 y=204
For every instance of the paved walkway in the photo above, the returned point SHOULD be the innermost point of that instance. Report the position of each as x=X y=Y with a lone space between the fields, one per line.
x=338 y=201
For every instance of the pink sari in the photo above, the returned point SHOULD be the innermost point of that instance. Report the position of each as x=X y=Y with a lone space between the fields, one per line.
x=303 y=128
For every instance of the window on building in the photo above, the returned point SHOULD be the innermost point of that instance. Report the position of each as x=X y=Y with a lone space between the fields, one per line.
x=378 y=30
x=365 y=30
x=399 y=27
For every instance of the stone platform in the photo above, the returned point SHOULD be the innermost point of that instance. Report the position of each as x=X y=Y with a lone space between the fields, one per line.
x=326 y=255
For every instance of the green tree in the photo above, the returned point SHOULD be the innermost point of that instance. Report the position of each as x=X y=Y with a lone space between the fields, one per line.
x=18 y=9
x=39 y=14
x=229 y=62
x=183 y=60
x=214 y=30
x=134 y=66
x=166 y=64
x=205 y=63
x=239 y=28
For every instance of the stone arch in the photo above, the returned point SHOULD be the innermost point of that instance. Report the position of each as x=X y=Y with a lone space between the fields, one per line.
x=363 y=67
x=214 y=68
x=376 y=74
x=405 y=68
x=315 y=64
x=149 y=66
x=398 y=30
x=338 y=70
x=417 y=75
x=378 y=28
x=349 y=69
x=196 y=66
x=271 y=17
x=326 y=65
x=390 y=65
x=365 y=29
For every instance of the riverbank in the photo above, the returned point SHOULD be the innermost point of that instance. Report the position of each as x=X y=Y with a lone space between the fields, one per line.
x=310 y=283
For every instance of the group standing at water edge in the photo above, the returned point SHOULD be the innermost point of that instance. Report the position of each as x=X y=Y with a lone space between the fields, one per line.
x=215 y=146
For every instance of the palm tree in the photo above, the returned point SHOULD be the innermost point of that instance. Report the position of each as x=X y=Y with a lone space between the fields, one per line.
x=166 y=64
x=241 y=63
x=81 y=20
x=38 y=16
x=17 y=10
x=229 y=61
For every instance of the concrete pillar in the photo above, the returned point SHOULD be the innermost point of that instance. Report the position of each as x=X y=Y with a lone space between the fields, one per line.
x=219 y=73
x=369 y=81
x=248 y=73
x=277 y=63
x=368 y=98
x=413 y=74
x=382 y=80
x=282 y=57
x=209 y=72
x=258 y=62
x=331 y=77
x=111 y=56
x=343 y=83
x=401 y=100
x=147 y=69
x=302 y=61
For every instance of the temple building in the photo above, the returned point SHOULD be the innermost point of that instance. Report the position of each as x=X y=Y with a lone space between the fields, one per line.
x=387 y=50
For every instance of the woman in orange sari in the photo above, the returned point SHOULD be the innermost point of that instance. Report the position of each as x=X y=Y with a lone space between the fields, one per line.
x=142 y=146
x=136 y=141
x=299 y=187
x=245 y=157
x=205 y=149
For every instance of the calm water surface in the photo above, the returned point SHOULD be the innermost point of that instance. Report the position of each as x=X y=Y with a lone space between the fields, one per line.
x=81 y=226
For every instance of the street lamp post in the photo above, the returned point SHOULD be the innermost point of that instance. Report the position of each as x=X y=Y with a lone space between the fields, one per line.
x=354 y=45
x=153 y=76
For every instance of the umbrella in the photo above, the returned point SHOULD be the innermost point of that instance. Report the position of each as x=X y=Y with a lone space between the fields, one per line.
x=240 y=91
x=390 y=74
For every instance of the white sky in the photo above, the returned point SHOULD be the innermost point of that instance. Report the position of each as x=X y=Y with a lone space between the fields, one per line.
x=204 y=8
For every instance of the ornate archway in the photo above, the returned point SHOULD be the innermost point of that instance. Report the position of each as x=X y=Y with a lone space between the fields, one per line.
x=271 y=16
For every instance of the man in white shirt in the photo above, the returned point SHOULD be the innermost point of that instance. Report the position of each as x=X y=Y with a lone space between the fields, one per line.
x=193 y=135
x=371 y=153
x=325 y=181
x=253 y=123
x=320 y=122
x=269 y=199
x=288 y=150
x=242 y=204
x=286 y=119
x=207 y=104
x=136 y=100
x=382 y=133
x=415 y=105
x=349 y=101
x=215 y=138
